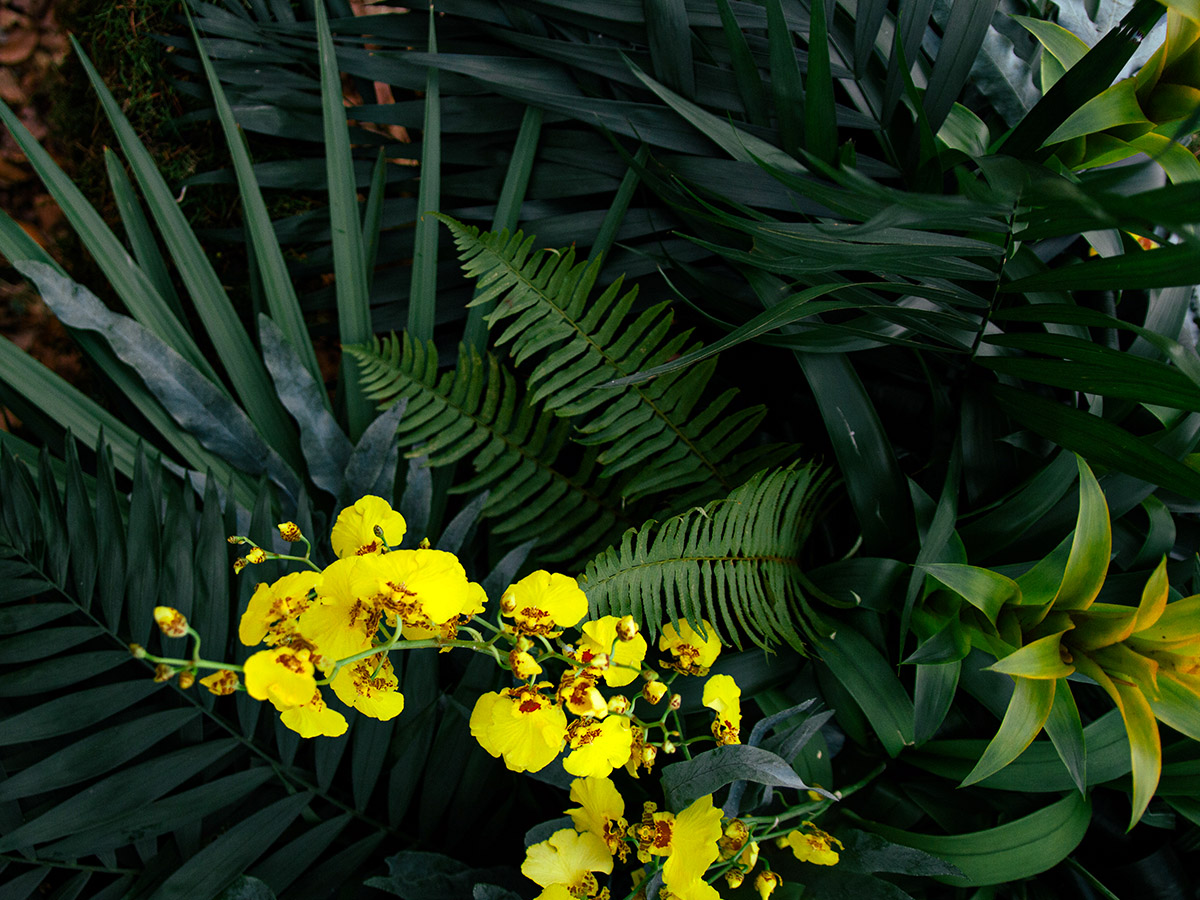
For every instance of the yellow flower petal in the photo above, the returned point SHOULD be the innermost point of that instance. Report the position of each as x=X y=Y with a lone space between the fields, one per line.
x=421 y=587
x=376 y=696
x=343 y=619
x=273 y=604
x=601 y=810
x=353 y=533
x=282 y=675
x=694 y=847
x=223 y=682
x=567 y=858
x=722 y=694
x=314 y=719
x=815 y=848
x=697 y=889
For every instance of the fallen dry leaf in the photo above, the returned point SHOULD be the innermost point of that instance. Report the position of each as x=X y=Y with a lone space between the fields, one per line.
x=17 y=46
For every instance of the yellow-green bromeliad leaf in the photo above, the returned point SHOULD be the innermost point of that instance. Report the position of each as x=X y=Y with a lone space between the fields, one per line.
x=1041 y=659
x=1091 y=547
x=1027 y=712
x=1145 y=747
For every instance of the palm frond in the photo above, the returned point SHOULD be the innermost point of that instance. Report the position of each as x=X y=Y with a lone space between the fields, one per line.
x=579 y=342
x=152 y=789
x=515 y=445
x=735 y=563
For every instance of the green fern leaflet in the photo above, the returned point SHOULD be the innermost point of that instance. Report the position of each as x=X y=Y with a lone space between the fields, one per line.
x=735 y=563
x=478 y=411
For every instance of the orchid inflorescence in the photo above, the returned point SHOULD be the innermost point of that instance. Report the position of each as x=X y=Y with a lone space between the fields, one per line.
x=336 y=627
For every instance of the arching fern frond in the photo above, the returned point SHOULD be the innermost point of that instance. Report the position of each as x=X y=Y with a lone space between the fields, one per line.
x=735 y=563
x=578 y=342
x=479 y=411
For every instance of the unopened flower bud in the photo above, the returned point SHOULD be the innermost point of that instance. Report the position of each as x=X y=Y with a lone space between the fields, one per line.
x=255 y=555
x=749 y=857
x=508 y=604
x=675 y=702
x=649 y=754
x=619 y=704
x=236 y=539
x=599 y=661
x=138 y=651
x=524 y=643
x=734 y=879
x=668 y=747
x=186 y=679
x=239 y=564
x=290 y=532
x=734 y=838
x=163 y=672
x=523 y=665
x=425 y=543
x=222 y=682
x=170 y=621
x=765 y=884
x=627 y=628
x=654 y=691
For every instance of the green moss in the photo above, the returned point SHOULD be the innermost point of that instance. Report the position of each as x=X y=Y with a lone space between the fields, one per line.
x=121 y=39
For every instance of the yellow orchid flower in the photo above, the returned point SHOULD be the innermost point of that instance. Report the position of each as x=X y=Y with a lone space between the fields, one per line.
x=625 y=662
x=722 y=694
x=521 y=724
x=544 y=603
x=568 y=858
x=354 y=534
x=691 y=653
x=598 y=747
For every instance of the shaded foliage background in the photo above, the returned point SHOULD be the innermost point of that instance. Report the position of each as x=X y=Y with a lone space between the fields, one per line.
x=912 y=299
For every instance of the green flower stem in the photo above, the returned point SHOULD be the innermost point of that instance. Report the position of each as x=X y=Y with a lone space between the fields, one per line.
x=658 y=864
x=194 y=663
x=398 y=643
x=683 y=744
x=303 y=559
x=307 y=546
x=196 y=646
x=480 y=620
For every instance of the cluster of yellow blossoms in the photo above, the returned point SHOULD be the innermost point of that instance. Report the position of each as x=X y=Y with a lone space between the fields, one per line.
x=690 y=850
x=337 y=626
x=527 y=724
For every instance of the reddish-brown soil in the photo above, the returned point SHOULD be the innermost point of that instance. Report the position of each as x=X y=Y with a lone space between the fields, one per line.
x=31 y=48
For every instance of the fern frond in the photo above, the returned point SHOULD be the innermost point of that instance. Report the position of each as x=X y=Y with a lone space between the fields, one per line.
x=735 y=563
x=579 y=342
x=478 y=411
